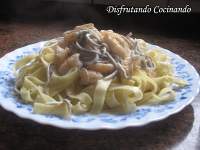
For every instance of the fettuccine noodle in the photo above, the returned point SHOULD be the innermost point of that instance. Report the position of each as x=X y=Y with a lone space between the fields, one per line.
x=93 y=71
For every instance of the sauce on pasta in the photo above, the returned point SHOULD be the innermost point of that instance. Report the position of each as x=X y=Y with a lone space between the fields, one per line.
x=88 y=70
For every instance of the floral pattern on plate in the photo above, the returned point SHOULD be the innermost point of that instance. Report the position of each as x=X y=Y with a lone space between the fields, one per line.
x=143 y=115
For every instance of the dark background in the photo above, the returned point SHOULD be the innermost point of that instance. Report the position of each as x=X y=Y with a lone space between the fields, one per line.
x=83 y=11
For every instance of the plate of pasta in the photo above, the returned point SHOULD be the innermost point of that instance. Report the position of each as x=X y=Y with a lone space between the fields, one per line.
x=95 y=79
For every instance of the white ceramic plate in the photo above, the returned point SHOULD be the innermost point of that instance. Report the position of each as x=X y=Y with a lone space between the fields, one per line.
x=143 y=115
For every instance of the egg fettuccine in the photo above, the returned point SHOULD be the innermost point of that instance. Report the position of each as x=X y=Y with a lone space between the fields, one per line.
x=88 y=70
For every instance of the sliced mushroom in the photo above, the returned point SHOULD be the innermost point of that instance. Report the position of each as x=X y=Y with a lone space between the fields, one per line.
x=116 y=43
x=101 y=67
x=70 y=62
x=89 y=77
x=69 y=38
x=61 y=55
